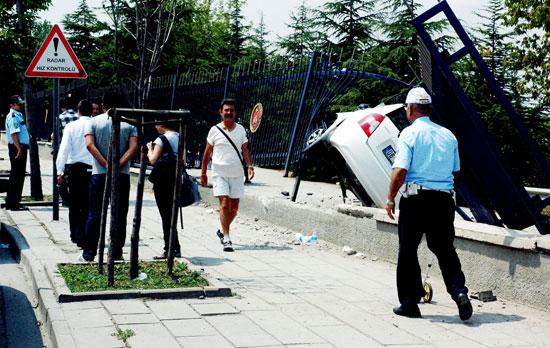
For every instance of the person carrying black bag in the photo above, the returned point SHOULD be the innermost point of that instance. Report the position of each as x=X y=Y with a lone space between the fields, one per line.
x=164 y=157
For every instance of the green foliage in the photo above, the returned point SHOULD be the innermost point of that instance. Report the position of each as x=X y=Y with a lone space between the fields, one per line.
x=352 y=23
x=531 y=55
x=123 y=335
x=305 y=37
x=85 y=277
x=238 y=30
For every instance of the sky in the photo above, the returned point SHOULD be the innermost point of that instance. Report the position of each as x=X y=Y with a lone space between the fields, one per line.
x=276 y=13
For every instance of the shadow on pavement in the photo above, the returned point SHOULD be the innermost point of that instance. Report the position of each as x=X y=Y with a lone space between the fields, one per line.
x=477 y=319
x=268 y=247
x=205 y=261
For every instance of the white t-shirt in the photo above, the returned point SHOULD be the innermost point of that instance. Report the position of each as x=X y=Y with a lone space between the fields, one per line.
x=173 y=139
x=225 y=161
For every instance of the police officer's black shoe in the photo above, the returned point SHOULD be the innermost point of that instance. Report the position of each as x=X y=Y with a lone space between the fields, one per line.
x=465 y=309
x=410 y=310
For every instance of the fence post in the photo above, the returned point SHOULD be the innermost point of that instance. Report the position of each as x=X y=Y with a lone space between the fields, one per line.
x=227 y=77
x=299 y=115
x=114 y=231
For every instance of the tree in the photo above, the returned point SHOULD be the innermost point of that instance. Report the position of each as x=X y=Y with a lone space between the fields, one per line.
x=351 y=22
x=258 y=48
x=304 y=37
x=238 y=30
x=84 y=30
x=150 y=25
x=531 y=22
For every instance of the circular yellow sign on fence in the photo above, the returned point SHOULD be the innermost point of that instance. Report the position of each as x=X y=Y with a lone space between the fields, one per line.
x=256 y=117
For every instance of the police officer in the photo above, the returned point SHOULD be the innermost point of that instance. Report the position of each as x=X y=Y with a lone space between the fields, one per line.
x=427 y=162
x=18 y=145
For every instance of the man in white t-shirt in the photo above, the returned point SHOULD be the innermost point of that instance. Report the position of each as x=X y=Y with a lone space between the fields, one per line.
x=227 y=167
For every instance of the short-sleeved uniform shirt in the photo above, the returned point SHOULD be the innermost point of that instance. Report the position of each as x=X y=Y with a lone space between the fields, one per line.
x=15 y=123
x=173 y=140
x=100 y=127
x=225 y=161
x=429 y=153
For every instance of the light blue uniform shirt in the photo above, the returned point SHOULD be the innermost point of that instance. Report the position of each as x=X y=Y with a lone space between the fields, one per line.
x=15 y=123
x=429 y=153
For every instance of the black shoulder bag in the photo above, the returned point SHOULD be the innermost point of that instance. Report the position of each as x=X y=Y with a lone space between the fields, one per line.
x=245 y=169
x=165 y=165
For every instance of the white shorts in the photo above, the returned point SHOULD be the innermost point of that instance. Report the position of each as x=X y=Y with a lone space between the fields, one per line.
x=232 y=187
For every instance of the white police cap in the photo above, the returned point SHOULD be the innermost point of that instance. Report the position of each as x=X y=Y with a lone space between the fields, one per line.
x=418 y=95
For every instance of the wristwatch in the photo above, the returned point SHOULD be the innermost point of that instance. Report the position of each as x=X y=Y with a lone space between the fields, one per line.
x=388 y=202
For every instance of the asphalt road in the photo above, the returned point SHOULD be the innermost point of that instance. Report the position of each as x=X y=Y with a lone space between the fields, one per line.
x=18 y=324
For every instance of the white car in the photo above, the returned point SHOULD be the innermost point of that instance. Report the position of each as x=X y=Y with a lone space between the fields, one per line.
x=362 y=145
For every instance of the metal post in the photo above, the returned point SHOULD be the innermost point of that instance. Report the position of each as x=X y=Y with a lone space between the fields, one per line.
x=227 y=77
x=134 y=252
x=299 y=115
x=176 y=200
x=115 y=195
x=104 y=207
x=55 y=143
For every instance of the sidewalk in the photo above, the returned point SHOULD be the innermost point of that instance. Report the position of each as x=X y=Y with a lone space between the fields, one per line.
x=285 y=295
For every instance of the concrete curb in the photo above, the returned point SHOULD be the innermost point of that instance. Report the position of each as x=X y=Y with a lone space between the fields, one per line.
x=56 y=328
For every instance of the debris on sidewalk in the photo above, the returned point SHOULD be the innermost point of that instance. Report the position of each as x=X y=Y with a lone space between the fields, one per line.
x=484 y=296
x=348 y=250
x=360 y=255
x=285 y=193
x=307 y=240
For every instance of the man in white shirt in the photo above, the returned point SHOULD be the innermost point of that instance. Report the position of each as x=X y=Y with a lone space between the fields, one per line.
x=227 y=167
x=74 y=164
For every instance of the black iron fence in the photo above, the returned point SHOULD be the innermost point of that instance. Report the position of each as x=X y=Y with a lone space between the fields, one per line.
x=293 y=94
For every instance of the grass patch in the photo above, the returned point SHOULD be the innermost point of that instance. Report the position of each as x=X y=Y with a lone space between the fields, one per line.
x=85 y=277
x=123 y=335
x=46 y=198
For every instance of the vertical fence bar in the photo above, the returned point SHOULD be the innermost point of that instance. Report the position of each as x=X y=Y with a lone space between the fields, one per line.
x=299 y=115
x=104 y=207
x=227 y=77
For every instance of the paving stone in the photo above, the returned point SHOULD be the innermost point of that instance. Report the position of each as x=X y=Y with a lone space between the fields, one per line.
x=308 y=315
x=172 y=309
x=214 y=308
x=149 y=335
x=126 y=307
x=204 y=342
x=97 y=337
x=241 y=331
x=344 y=336
x=86 y=318
x=283 y=328
x=189 y=327
x=121 y=319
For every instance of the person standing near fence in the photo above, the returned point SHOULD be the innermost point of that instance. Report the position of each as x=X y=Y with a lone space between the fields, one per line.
x=162 y=153
x=427 y=163
x=74 y=167
x=227 y=146
x=66 y=116
x=98 y=135
x=18 y=145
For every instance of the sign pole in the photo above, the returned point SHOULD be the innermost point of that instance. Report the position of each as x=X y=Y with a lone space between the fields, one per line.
x=55 y=143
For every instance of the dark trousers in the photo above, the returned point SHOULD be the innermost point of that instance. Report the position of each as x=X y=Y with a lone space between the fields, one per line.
x=164 y=195
x=432 y=213
x=78 y=184
x=96 y=188
x=17 y=176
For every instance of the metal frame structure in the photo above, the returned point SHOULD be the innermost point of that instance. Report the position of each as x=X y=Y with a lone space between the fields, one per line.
x=493 y=192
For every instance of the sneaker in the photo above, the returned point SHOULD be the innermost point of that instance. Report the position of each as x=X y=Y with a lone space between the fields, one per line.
x=465 y=309
x=220 y=235
x=227 y=246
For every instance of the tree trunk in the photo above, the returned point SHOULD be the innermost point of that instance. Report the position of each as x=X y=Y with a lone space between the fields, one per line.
x=36 y=178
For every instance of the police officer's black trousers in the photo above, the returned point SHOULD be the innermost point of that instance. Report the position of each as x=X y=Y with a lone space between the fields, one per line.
x=432 y=213
x=79 y=181
x=17 y=176
x=164 y=195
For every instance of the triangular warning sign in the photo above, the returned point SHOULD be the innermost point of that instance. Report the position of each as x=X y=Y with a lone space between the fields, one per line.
x=56 y=59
